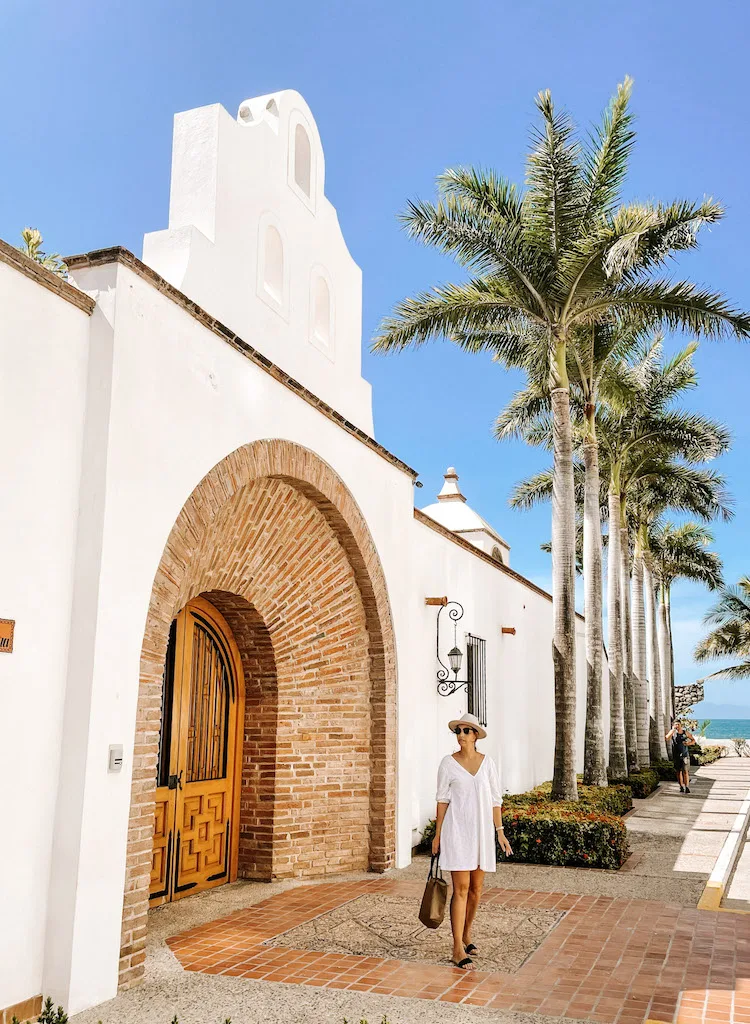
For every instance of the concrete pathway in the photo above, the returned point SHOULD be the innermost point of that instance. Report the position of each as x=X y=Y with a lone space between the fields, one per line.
x=698 y=823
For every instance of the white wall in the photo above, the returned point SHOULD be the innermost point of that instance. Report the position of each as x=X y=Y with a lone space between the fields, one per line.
x=231 y=179
x=181 y=401
x=43 y=351
x=520 y=690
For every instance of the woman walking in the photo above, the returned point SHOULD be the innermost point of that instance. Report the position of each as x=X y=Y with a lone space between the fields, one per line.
x=680 y=738
x=469 y=813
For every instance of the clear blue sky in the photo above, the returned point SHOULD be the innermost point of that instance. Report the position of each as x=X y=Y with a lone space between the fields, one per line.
x=400 y=90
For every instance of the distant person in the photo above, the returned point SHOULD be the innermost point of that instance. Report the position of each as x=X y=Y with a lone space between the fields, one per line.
x=469 y=813
x=680 y=738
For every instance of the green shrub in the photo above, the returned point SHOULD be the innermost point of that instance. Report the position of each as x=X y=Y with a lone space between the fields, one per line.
x=617 y=799
x=363 y=1021
x=665 y=770
x=49 y=1014
x=428 y=835
x=707 y=755
x=641 y=783
x=556 y=833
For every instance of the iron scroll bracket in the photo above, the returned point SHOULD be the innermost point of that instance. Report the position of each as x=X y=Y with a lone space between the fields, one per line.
x=445 y=685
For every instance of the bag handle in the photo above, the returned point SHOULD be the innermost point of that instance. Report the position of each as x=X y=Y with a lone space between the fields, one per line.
x=435 y=870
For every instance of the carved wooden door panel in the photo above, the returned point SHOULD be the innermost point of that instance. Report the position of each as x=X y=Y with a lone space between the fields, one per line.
x=197 y=795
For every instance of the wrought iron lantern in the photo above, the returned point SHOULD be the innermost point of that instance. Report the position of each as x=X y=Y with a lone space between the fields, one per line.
x=445 y=685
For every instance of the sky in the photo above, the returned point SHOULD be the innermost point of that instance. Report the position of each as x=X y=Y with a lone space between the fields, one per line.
x=400 y=89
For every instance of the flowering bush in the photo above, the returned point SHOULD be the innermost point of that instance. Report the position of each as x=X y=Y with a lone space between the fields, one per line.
x=564 y=834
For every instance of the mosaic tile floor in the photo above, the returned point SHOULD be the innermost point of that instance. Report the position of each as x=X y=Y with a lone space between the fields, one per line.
x=384 y=925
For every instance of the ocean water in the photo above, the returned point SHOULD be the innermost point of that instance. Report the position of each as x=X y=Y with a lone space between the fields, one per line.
x=728 y=728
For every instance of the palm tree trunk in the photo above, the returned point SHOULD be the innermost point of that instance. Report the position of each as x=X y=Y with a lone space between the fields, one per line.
x=618 y=765
x=564 y=782
x=664 y=662
x=657 y=745
x=631 y=730
x=639 y=652
x=594 y=755
x=672 y=693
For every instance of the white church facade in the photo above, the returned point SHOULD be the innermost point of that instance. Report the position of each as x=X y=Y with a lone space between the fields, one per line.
x=224 y=616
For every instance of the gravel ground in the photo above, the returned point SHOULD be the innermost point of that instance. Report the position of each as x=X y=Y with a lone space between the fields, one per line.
x=202 y=999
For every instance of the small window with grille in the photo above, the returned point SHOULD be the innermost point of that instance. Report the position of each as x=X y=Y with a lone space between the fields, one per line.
x=477 y=677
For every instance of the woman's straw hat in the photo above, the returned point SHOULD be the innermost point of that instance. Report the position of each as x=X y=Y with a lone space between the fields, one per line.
x=471 y=720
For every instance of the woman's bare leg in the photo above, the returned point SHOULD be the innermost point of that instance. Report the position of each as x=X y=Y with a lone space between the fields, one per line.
x=461 y=881
x=476 y=881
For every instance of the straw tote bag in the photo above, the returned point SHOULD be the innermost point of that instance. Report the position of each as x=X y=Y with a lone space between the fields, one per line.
x=432 y=910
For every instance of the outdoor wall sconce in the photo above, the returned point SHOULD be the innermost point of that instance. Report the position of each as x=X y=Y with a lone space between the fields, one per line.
x=445 y=685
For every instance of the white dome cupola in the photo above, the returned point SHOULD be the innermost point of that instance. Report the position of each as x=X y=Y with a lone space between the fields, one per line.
x=453 y=512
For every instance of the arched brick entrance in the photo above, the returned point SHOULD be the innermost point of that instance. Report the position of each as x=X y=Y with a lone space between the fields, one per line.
x=274 y=539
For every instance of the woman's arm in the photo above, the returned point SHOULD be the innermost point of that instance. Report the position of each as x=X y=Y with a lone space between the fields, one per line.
x=497 y=808
x=439 y=815
x=443 y=797
x=497 y=817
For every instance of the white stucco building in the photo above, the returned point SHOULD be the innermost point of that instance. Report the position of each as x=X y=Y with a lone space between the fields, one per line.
x=223 y=663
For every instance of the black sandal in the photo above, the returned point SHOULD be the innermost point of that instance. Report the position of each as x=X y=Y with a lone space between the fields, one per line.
x=471 y=948
x=464 y=964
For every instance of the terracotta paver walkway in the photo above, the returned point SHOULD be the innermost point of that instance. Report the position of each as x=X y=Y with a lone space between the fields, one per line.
x=608 y=960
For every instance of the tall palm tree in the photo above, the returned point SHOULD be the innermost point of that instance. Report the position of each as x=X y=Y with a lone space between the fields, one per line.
x=545 y=261
x=595 y=355
x=679 y=488
x=640 y=434
x=680 y=552
x=731 y=636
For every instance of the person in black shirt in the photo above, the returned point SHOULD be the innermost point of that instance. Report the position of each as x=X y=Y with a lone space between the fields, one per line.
x=680 y=738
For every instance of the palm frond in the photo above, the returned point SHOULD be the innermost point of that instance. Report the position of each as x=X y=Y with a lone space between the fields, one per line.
x=533 y=491
x=490 y=195
x=731 y=672
x=646 y=235
x=528 y=410
x=605 y=158
x=452 y=309
x=554 y=185
x=672 y=305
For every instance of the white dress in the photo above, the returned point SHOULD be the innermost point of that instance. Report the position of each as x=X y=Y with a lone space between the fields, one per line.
x=467 y=839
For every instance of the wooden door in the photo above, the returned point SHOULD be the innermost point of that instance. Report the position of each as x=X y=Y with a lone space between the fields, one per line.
x=196 y=827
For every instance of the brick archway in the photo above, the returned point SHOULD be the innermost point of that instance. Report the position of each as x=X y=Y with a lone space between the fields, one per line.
x=273 y=537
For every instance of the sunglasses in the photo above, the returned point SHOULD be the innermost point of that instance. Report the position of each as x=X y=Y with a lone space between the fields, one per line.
x=466 y=730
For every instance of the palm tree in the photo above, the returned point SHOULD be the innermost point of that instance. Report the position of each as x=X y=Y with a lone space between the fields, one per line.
x=32 y=247
x=680 y=552
x=595 y=356
x=681 y=488
x=639 y=435
x=546 y=261
x=643 y=434
x=731 y=636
